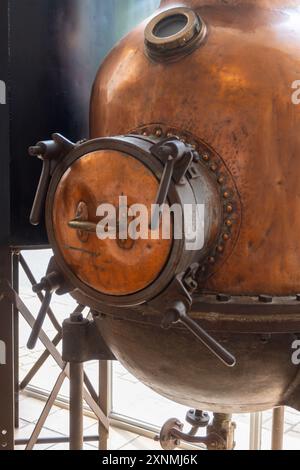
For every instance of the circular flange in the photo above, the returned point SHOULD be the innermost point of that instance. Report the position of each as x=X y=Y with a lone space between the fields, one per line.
x=166 y=439
x=179 y=259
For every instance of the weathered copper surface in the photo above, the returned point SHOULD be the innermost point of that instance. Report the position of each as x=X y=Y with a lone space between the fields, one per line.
x=114 y=267
x=233 y=93
x=178 y=367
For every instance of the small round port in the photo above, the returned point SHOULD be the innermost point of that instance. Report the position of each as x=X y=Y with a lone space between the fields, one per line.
x=174 y=33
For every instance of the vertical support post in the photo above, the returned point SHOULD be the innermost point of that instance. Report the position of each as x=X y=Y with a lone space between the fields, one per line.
x=6 y=311
x=278 y=428
x=6 y=358
x=256 y=431
x=15 y=286
x=104 y=400
x=76 y=406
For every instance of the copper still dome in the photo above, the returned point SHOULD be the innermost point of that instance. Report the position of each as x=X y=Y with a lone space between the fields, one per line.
x=210 y=81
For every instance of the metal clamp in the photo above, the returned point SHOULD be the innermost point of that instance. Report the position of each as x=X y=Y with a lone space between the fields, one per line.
x=177 y=313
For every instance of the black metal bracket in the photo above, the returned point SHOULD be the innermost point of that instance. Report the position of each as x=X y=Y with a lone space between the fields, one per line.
x=82 y=341
x=177 y=158
x=49 y=152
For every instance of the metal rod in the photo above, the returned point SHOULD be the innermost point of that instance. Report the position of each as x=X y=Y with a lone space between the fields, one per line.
x=33 y=282
x=55 y=440
x=34 y=336
x=90 y=387
x=39 y=363
x=15 y=285
x=278 y=428
x=214 y=346
x=45 y=413
x=83 y=226
x=255 y=431
x=76 y=406
x=104 y=401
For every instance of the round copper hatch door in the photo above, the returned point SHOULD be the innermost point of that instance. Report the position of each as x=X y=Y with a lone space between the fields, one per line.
x=114 y=267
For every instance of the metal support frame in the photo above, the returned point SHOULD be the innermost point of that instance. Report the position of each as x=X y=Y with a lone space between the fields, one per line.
x=80 y=386
x=11 y=260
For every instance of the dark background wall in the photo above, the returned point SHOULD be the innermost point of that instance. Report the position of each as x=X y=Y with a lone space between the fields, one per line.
x=53 y=52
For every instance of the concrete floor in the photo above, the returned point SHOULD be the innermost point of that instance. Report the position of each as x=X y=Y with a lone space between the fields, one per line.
x=130 y=398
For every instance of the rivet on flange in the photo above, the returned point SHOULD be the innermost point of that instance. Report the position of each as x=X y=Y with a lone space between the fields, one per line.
x=266 y=299
x=223 y=298
x=229 y=209
x=205 y=157
x=229 y=223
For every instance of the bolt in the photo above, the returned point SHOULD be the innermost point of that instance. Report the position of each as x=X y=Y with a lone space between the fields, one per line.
x=229 y=209
x=226 y=237
x=266 y=299
x=265 y=338
x=226 y=195
x=223 y=298
x=213 y=167
x=220 y=248
x=205 y=157
x=36 y=151
x=158 y=133
x=229 y=223
x=221 y=180
x=196 y=157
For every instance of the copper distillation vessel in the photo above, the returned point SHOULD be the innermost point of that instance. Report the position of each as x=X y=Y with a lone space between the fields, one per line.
x=208 y=83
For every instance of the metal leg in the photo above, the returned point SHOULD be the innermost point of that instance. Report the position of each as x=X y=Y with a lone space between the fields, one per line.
x=15 y=285
x=104 y=400
x=76 y=406
x=255 y=431
x=6 y=356
x=278 y=428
